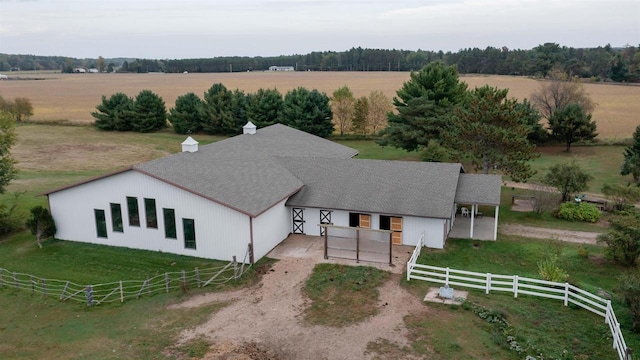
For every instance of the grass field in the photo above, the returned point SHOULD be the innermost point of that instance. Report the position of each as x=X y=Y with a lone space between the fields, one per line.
x=73 y=97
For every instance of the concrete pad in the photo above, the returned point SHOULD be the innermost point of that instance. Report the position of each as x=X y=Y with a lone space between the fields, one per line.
x=458 y=296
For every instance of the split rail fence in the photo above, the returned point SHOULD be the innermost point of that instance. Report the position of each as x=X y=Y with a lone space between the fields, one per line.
x=517 y=285
x=125 y=289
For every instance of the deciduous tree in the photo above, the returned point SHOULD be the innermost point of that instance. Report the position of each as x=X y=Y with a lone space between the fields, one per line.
x=621 y=195
x=568 y=178
x=629 y=287
x=100 y=64
x=571 y=124
x=41 y=224
x=307 y=111
x=22 y=108
x=8 y=170
x=631 y=164
x=488 y=129
x=623 y=239
x=359 y=123
x=188 y=114
x=558 y=92
x=379 y=109
x=423 y=107
x=342 y=102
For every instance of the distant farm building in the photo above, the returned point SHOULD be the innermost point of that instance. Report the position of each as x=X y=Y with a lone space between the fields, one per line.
x=281 y=68
x=79 y=70
x=94 y=71
x=3 y=77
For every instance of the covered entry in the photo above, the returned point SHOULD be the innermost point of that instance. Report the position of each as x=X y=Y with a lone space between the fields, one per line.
x=357 y=243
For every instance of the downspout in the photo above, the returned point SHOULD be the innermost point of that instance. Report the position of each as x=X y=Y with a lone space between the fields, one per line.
x=251 y=238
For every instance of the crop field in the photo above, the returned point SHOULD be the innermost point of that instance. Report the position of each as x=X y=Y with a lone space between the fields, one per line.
x=72 y=97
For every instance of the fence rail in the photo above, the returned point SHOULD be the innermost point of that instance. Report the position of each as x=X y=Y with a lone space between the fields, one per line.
x=124 y=289
x=517 y=285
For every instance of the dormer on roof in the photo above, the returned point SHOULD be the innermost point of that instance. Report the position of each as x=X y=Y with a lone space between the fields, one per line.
x=189 y=145
x=249 y=128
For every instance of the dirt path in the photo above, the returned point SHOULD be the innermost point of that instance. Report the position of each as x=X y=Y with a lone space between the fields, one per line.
x=582 y=237
x=270 y=315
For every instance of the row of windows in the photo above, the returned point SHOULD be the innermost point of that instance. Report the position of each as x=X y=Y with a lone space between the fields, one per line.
x=169 y=216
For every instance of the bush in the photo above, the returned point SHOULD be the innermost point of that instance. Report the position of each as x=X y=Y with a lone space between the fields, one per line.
x=549 y=270
x=579 y=212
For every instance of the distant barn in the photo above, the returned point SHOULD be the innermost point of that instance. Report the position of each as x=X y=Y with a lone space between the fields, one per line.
x=281 y=68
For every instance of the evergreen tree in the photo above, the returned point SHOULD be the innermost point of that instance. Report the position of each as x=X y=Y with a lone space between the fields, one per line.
x=188 y=114
x=531 y=117
x=114 y=113
x=423 y=106
x=7 y=140
x=263 y=107
x=631 y=164
x=307 y=111
x=572 y=124
x=488 y=129
x=218 y=105
x=149 y=112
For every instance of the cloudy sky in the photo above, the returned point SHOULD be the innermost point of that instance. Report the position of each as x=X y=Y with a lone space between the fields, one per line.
x=207 y=28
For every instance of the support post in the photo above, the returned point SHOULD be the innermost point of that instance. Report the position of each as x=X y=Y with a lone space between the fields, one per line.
x=121 y=292
x=566 y=294
x=488 y=286
x=390 y=249
x=446 y=278
x=166 y=282
x=515 y=286
x=44 y=288
x=197 y=277
x=235 y=268
x=1 y=272
x=184 y=280
x=326 y=230
x=357 y=246
x=64 y=290
x=15 y=279
x=89 y=294
x=33 y=287
x=473 y=217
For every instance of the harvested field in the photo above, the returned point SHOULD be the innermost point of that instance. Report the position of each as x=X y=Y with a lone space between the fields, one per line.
x=73 y=97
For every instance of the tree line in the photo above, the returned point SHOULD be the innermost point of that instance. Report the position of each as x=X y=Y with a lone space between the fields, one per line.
x=602 y=63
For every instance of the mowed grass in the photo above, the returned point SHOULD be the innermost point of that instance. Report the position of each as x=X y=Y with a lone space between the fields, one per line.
x=72 y=97
x=547 y=324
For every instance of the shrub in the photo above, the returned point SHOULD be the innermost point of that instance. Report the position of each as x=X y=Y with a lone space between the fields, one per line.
x=579 y=212
x=549 y=270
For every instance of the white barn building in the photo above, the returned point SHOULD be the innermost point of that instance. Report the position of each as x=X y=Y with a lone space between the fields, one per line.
x=254 y=189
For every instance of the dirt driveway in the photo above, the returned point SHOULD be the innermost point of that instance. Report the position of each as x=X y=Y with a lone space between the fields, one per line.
x=265 y=321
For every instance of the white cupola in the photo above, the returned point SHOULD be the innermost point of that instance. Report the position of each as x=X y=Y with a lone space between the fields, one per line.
x=249 y=128
x=189 y=145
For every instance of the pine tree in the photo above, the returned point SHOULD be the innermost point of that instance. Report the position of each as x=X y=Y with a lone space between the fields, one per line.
x=307 y=111
x=263 y=107
x=571 y=124
x=149 y=112
x=188 y=114
x=114 y=113
x=631 y=164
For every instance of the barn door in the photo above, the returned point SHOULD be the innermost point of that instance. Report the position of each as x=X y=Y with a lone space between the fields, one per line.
x=396 y=227
x=365 y=221
x=298 y=221
x=325 y=218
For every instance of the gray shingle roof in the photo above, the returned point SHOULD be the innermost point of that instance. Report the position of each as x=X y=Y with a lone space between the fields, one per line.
x=479 y=189
x=388 y=187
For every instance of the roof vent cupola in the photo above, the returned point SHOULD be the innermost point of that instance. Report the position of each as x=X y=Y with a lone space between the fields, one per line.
x=249 y=128
x=189 y=145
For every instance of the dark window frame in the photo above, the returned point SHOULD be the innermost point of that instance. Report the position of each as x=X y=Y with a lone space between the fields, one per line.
x=170 y=231
x=152 y=221
x=385 y=222
x=116 y=217
x=133 y=210
x=189 y=231
x=101 y=223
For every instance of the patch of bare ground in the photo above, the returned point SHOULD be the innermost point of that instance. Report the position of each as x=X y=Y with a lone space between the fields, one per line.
x=270 y=316
x=580 y=237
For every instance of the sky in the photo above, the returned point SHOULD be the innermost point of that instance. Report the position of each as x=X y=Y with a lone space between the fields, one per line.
x=179 y=29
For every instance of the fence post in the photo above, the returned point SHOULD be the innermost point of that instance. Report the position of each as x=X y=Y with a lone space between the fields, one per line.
x=197 y=277
x=446 y=278
x=33 y=287
x=1 y=273
x=44 y=288
x=184 y=280
x=515 y=286
x=121 y=293
x=15 y=279
x=89 y=293
x=566 y=294
x=64 y=290
x=488 y=288
x=166 y=282
x=148 y=286
x=235 y=268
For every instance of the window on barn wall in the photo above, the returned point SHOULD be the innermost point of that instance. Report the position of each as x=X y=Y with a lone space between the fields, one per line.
x=132 y=207
x=101 y=223
x=385 y=222
x=354 y=219
x=116 y=218
x=189 y=233
x=150 y=213
x=169 y=223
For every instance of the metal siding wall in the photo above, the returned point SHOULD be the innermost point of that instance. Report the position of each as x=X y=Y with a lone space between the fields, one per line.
x=270 y=229
x=220 y=231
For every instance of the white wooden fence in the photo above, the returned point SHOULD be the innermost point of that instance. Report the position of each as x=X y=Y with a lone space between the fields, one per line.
x=125 y=289
x=521 y=285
